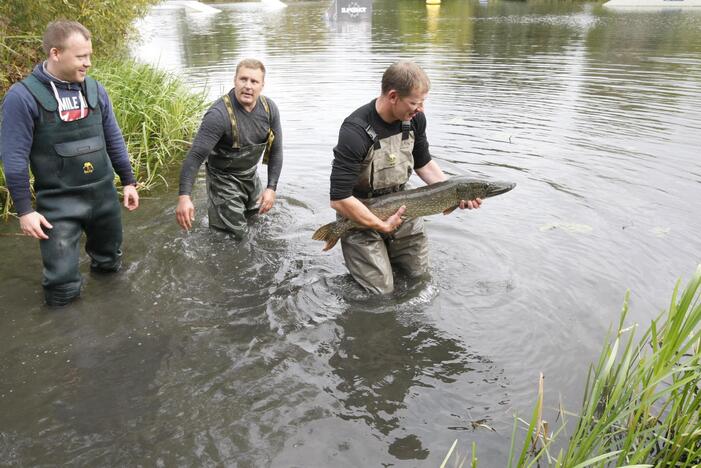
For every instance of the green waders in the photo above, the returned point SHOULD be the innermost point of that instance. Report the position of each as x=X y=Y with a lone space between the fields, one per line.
x=233 y=185
x=74 y=184
x=370 y=255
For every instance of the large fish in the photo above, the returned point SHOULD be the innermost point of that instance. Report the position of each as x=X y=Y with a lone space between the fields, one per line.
x=424 y=201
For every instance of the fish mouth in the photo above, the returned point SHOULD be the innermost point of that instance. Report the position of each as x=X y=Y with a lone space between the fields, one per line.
x=497 y=188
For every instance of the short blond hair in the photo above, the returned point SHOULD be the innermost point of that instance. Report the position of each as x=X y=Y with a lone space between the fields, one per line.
x=58 y=32
x=405 y=77
x=251 y=63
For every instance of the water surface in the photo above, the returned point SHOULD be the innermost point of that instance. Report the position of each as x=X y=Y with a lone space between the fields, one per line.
x=205 y=352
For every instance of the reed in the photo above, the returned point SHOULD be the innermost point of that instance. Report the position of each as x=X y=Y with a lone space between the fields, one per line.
x=4 y=197
x=157 y=114
x=642 y=399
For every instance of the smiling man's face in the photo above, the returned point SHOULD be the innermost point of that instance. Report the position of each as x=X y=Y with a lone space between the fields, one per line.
x=72 y=61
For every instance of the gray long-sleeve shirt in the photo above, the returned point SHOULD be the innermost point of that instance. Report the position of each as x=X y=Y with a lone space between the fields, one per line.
x=216 y=128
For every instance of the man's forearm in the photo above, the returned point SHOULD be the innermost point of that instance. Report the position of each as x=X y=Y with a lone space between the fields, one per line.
x=274 y=169
x=431 y=173
x=353 y=209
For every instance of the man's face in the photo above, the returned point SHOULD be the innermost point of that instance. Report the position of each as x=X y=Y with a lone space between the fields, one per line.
x=248 y=85
x=405 y=108
x=71 y=63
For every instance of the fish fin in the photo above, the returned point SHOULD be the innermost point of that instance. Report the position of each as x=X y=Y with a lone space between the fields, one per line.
x=323 y=232
x=450 y=210
x=330 y=243
x=326 y=233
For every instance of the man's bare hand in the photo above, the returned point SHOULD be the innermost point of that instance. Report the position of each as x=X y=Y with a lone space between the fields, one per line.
x=469 y=204
x=394 y=221
x=31 y=224
x=266 y=201
x=131 y=198
x=185 y=212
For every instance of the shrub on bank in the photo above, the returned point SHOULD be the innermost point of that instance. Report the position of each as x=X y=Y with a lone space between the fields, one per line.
x=22 y=24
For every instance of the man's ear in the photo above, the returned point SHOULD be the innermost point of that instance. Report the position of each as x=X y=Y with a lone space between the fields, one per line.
x=54 y=53
x=393 y=95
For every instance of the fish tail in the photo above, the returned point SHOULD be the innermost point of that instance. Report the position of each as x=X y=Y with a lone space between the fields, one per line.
x=327 y=233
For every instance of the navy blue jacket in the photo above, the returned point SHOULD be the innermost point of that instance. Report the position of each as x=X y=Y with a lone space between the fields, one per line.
x=20 y=111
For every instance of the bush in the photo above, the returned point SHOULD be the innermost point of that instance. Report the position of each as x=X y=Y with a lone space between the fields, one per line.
x=22 y=24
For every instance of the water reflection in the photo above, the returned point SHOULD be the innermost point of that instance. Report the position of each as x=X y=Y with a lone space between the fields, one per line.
x=111 y=385
x=97 y=382
x=261 y=353
x=385 y=361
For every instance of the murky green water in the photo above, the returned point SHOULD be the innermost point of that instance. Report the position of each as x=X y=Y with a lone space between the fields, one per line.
x=203 y=352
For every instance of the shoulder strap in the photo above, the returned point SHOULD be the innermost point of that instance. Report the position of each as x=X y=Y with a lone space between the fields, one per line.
x=232 y=117
x=91 y=92
x=406 y=128
x=267 y=108
x=271 y=134
x=40 y=93
x=367 y=126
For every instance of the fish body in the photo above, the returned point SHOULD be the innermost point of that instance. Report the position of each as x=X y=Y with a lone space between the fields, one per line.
x=423 y=201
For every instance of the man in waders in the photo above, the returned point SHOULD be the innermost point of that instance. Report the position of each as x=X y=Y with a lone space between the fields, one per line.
x=60 y=122
x=379 y=146
x=239 y=130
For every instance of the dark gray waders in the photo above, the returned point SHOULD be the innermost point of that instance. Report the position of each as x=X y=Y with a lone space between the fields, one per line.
x=369 y=255
x=233 y=185
x=74 y=184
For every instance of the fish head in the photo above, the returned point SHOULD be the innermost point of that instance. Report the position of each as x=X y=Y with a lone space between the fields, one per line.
x=469 y=189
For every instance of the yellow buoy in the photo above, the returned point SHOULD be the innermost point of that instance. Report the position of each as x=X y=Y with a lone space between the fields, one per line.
x=433 y=2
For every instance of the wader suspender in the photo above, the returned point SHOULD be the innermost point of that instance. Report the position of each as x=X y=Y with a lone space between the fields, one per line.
x=367 y=126
x=48 y=101
x=235 y=129
x=406 y=128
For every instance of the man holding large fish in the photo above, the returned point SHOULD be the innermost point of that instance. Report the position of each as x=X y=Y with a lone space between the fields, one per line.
x=379 y=146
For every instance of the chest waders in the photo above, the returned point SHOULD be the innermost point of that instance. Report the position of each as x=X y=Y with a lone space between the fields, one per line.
x=233 y=185
x=74 y=185
x=370 y=255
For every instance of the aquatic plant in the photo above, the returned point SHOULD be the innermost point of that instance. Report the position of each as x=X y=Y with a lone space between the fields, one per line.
x=641 y=402
x=4 y=196
x=157 y=114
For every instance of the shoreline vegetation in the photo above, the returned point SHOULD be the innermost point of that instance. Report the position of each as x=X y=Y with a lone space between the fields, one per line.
x=642 y=399
x=641 y=404
x=158 y=115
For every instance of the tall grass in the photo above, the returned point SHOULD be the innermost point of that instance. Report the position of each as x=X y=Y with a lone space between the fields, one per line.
x=22 y=23
x=157 y=114
x=642 y=400
x=4 y=197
